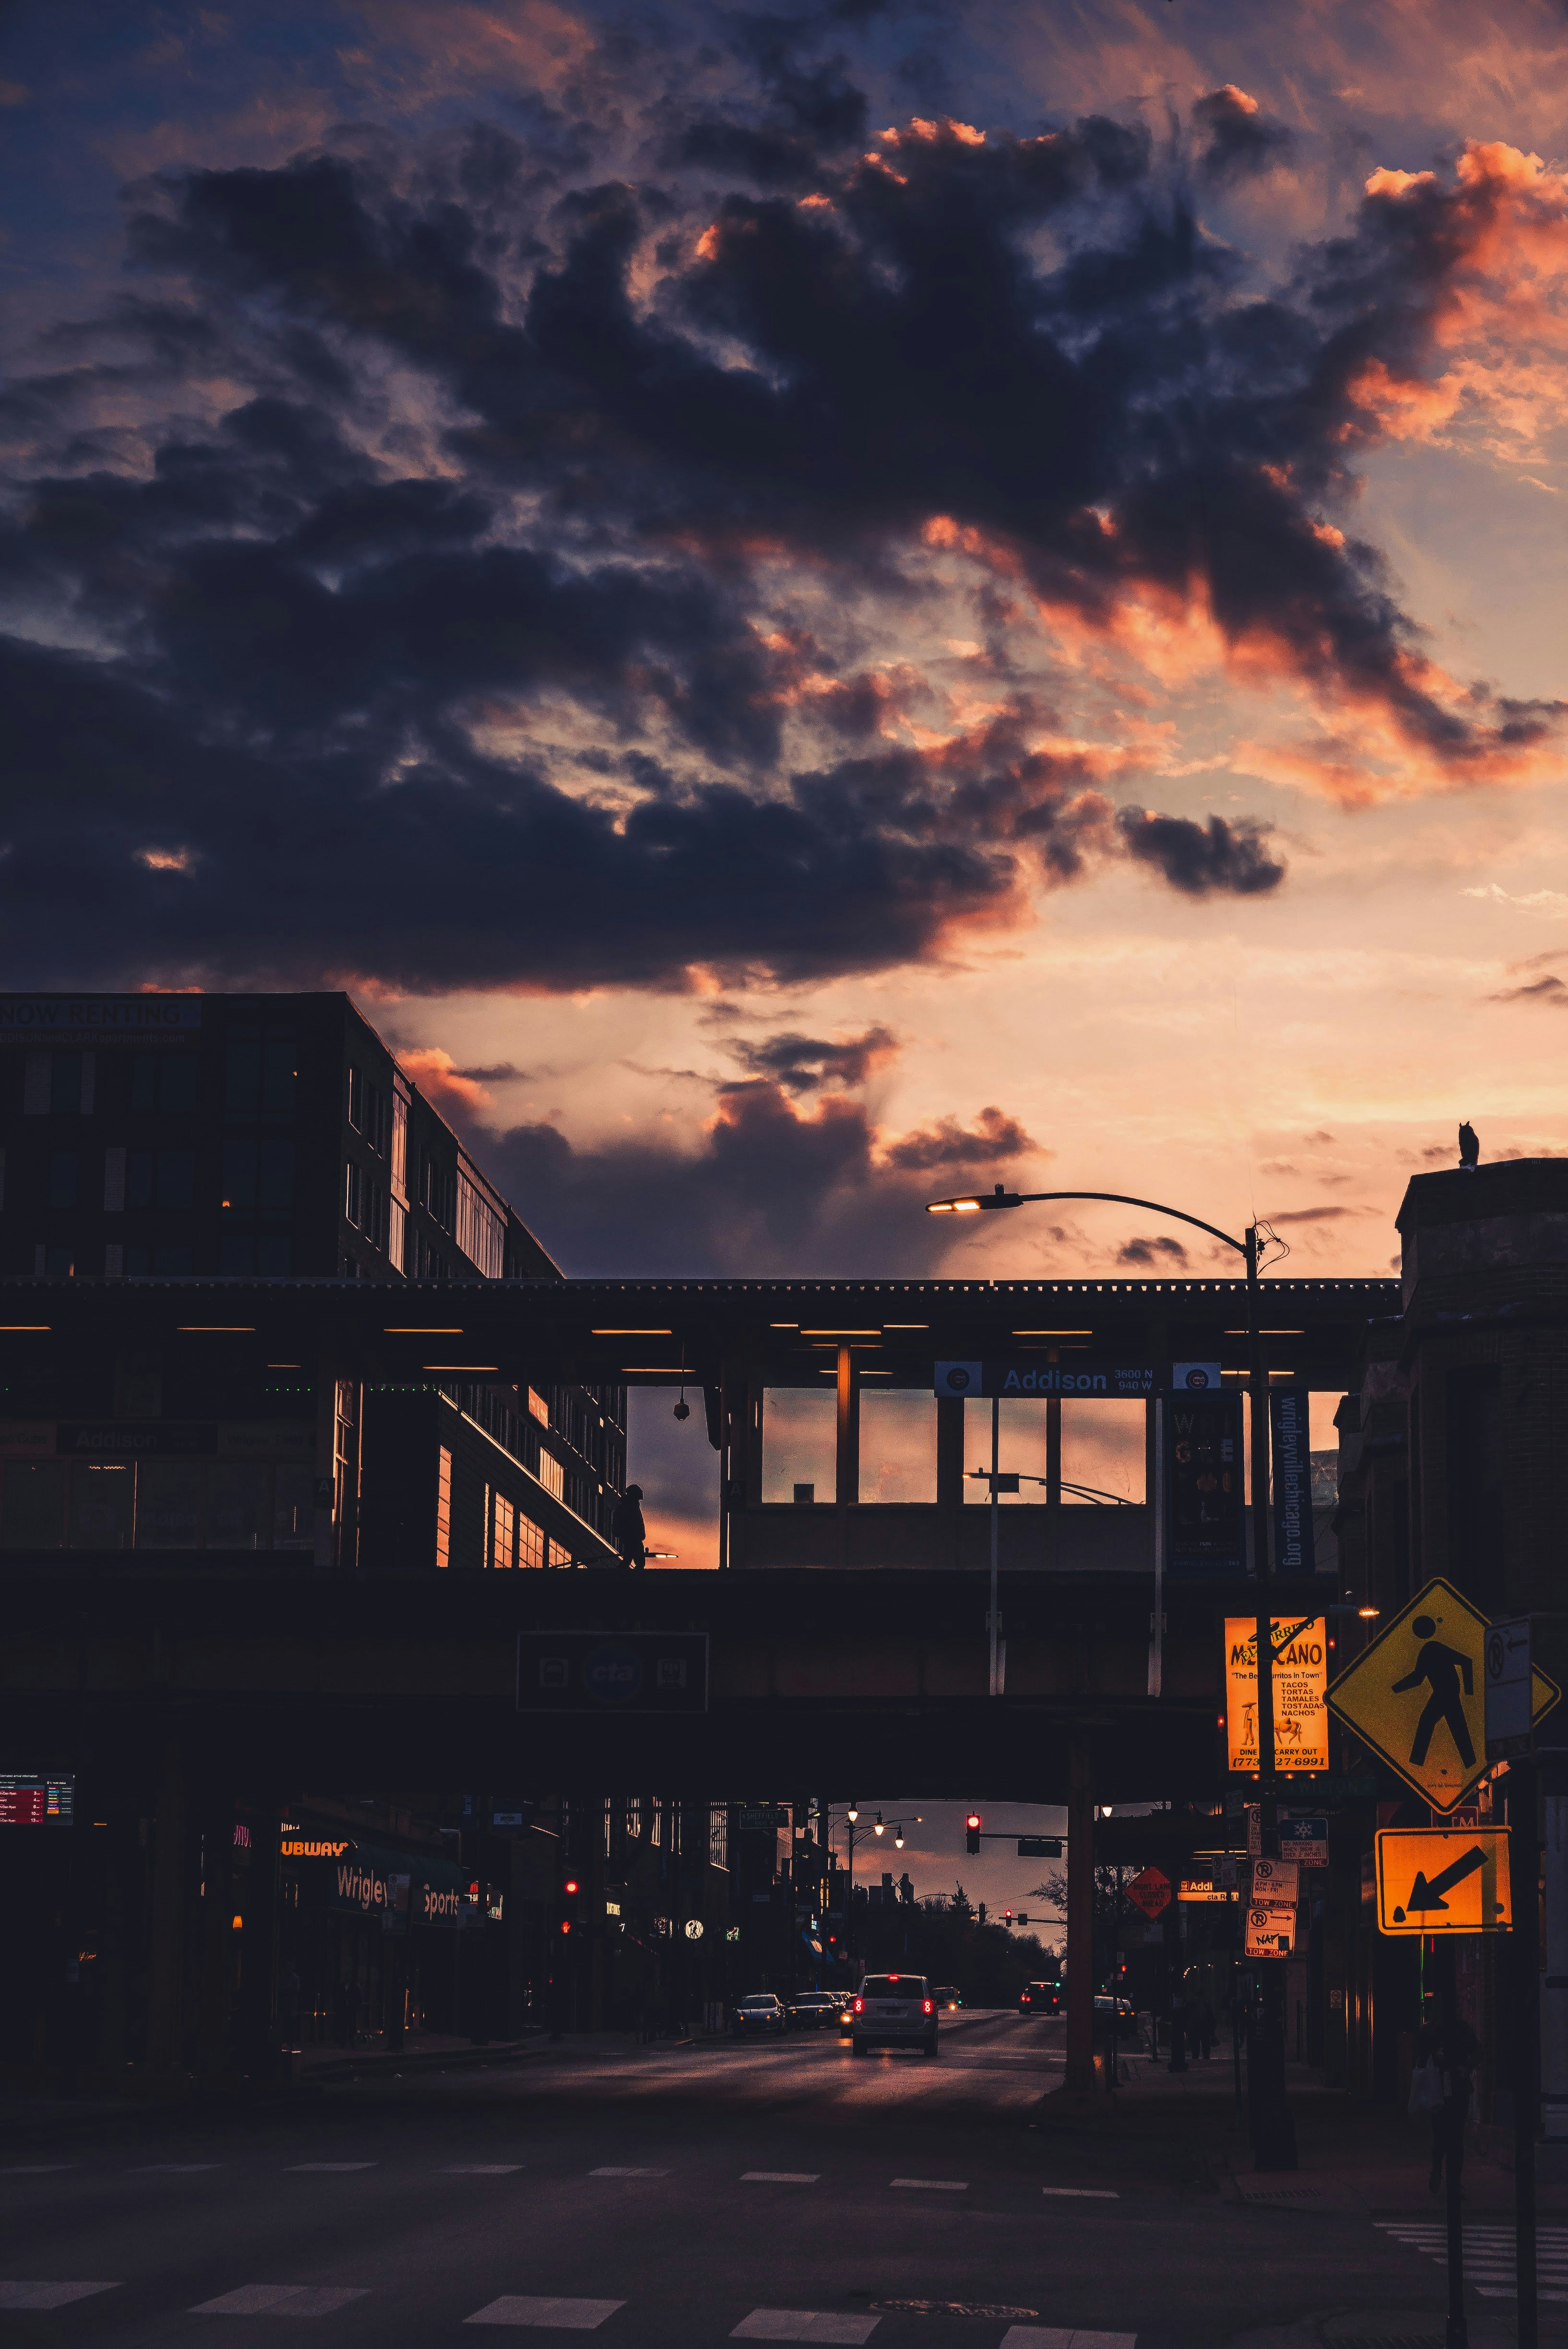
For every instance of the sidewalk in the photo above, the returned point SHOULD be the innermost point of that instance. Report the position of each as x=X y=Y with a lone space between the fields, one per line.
x=422 y=2050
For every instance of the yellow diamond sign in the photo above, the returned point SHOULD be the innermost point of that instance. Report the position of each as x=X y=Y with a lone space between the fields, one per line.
x=1417 y=1695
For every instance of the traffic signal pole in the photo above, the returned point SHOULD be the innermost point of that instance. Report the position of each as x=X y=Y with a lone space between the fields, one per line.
x=1079 y=2078
x=1273 y=2129
x=1524 y=1866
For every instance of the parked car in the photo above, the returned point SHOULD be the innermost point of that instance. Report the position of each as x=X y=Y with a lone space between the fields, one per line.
x=1039 y=1998
x=758 y=2014
x=1123 y=2010
x=947 y=1998
x=812 y=2009
x=894 y=2011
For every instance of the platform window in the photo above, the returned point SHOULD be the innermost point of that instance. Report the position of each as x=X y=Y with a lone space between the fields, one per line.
x=103 y=1503
x=1021 y=1450
x=169 y=1494
x=1104 y=1455
x=800 y=1444
x=443 y=1507
x=239 y=1506
x=33 y=1505
x=898 y=1444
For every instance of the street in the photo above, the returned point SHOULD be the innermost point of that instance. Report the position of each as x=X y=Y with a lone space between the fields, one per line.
x=685 y=2195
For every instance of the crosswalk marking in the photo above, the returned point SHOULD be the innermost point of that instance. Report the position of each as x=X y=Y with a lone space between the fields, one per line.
x=803 y=2324
x=1056 y=2336
x=48 y=2295
x=479 y=2168
x=325 y=2169
x=780 y=2177
x=934 y=2185
x=559 y=2315
x=1489 y=2254
x=1086 y=2193
x=281 y=2299
x=614 y=2172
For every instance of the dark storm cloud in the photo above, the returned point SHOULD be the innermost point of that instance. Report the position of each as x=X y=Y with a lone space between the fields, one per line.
x=530 y=706
x=1239 y=140
x=1198 y=859
x=771 y=1188
x=803 y=1064
x=1550 y=989
x=1153 y=1255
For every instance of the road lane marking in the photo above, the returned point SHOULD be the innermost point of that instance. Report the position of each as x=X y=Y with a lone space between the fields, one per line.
x=324 y=2168
x=48 y=2295
x=172 y=2169
x=479 y=2169
x=1086 y=2193
x=803 y=2324
x=1057 y=2336
x=934 y=2185
x=282 y=2300
x=614 y=2172
x=780 y=2177
x=560 y=2315
x=35 y=2168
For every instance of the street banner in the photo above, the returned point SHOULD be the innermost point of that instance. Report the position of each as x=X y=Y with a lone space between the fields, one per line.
x=1205 y=1519
x=1288 y=1426
x=1299 y=1687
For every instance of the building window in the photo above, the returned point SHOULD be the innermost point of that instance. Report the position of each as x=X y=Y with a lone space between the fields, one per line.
x=503 y=1531
x=634 y=1814
x=530 y=1542
x=538 y=1408
x=160 y=1178
x=357 y=1100
x=443 y=1507
x=70 y=1084
x=113 y=1182
x=481 y=1230
x=397 y=1233
x=400 y=1139
x=260 y=1071
x=897 y=1445
x=552 y=1475
x=62 y=1178
x=166 y=1082
x=719 y=1833
x=353 y=1192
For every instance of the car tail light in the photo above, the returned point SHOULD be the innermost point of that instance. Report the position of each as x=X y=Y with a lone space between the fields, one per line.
x=927 y=2006
x=860 y=2006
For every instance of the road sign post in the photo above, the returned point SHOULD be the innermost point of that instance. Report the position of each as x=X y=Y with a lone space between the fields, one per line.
x=1522 y=1822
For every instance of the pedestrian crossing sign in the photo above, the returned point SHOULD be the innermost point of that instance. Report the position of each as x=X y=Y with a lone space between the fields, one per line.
x=1417 y=1696
x=1443 y=1880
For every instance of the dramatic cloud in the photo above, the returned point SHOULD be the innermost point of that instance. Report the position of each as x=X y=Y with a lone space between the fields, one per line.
x=771 y=1188
x=666 y=554
x=1159 y=1255
x=803 y=1064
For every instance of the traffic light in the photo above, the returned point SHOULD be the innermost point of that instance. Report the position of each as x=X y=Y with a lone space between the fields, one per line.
x=571 y=1906
x=1023 y=1916
x=1007 y=1916
x=972 y=1837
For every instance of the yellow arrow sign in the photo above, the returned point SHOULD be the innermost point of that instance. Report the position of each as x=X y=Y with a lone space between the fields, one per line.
x=1544 y=1693
x=1443 y=1880
x=1417 y=1695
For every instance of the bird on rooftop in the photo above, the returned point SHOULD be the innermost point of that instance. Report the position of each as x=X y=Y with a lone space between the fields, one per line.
x=1470 y=1146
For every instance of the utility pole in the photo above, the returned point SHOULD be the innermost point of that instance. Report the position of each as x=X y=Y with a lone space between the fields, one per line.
x=1274 y=2130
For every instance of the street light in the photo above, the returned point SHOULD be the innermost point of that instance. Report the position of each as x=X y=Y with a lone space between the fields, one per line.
x=1274 y=2137
x=878 y=1829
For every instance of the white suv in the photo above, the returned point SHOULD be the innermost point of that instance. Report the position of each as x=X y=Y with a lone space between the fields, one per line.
x=894 y=2011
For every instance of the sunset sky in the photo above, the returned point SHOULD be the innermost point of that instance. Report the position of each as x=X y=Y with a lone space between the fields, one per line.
x=814 y=605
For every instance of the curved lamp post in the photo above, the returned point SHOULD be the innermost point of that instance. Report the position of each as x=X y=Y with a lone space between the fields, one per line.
x=1273 y=2133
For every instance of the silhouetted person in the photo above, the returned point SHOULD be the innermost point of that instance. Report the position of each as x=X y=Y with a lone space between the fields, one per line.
x=1457 y=2051
x=628 y=1531
x=1441 y=1668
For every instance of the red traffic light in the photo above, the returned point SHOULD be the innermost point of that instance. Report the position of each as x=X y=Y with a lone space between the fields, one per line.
x=565 y=1924
x=972 y=1837
x=571 y=1885
x=972 y=1820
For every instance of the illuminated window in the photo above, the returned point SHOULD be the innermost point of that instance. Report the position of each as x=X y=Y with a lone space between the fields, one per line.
x=443 y=1507
x=719 y=1825
x=552 y=1475
x=897 y=1445
x=503 y=1532
x=530 y=1542
x=634 y=1814
x=481 y=1227
x=400 y=1140
x=800 y=1444
x=353 y=1194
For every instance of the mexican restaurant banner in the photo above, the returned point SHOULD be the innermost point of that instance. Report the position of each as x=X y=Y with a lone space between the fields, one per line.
x=1301 y=1690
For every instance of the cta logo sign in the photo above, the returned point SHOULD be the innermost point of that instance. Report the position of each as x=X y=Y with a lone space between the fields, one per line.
x=1198 y=1377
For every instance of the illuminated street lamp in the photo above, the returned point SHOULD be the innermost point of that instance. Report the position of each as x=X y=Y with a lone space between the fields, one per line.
x=1275 y=2135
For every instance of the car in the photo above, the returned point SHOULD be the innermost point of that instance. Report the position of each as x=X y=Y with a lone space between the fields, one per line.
x=1039 y=1998
x=812 y=2009
x=1114 y=2013
x=894 y=2011
x=947 y=1999
x=761 y=2012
